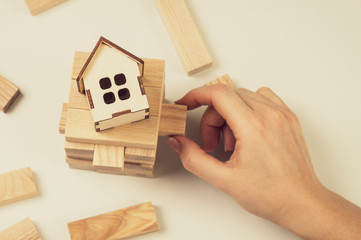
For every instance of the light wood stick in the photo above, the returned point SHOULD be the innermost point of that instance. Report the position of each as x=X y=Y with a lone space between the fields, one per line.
x=120 y=224
x=108 y=158
x=62 y=121
x=23 y=230
x=139 y=155
x=185 y=35
x=225 y=79
x=79 y=150
x=80 y=164
x=8 y=93
x=173 y=120
x=17 y=185
x=38 y=6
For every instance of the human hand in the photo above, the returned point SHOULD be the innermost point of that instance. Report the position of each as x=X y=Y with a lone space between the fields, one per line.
x=270 y=172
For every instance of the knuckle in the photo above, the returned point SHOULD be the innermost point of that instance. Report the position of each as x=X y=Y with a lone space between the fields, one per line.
x=220 y=87
x=263 y=90
x=276 y=114
x=292 y=116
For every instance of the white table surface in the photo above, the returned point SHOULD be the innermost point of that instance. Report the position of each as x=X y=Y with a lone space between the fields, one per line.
x=308 y=52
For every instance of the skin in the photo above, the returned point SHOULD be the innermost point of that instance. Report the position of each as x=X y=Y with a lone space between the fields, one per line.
x=270 y=172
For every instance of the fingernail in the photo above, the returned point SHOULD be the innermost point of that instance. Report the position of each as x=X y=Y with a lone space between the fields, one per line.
x=174 y=144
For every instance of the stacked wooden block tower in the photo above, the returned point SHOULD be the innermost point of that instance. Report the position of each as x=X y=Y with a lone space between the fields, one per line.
x=128 y=149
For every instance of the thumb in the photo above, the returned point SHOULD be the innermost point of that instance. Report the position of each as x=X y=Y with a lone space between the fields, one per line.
x=198 y=162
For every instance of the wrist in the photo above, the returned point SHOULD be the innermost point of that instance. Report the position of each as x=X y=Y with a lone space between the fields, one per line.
x=322 y=214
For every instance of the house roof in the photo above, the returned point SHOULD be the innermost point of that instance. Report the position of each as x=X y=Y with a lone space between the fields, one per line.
x=105 y=41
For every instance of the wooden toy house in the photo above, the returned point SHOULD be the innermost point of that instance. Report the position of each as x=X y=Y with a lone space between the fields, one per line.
x=112 y=81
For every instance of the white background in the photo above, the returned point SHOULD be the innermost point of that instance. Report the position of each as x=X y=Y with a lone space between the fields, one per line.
x=308 y=52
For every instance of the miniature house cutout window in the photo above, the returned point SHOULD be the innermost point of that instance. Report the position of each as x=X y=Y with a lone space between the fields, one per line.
x=123 y=93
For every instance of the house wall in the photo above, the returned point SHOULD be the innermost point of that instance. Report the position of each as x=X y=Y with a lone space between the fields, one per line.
x=107 y=63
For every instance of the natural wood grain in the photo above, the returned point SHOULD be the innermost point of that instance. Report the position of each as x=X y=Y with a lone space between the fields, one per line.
x=130 y=169
x=140 y=155
x=120 y=224
x=80 y=164
x=23 y=230
x=79 y=150
x=38 y=6
x=17 y=185
x=173 y=120
x=108 y=158
x=155 y=97
x=225 y=79
x=78 y=63
x=80 y=128
x=8 y=93
x=153 y=72
x=77 y=100
x=185 y=35
x=139 y=170
x=62 y=121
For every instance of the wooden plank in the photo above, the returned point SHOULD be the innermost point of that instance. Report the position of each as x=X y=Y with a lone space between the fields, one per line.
x=77 y=100
x=108 y=158
x=155 y=98
x=79 y=150
x=80 y=164
x=85 y=151
x=153 y=72
x=138 y=170
x=139 y=155
x=78 y=63
x=38 y=6
x=62 y=121
x=185 y=35
x=80 y=128
x=17 y=185
x=23 y=230
x=173 y=120
x=120 y=224
x=225 y=79
x=8 y=93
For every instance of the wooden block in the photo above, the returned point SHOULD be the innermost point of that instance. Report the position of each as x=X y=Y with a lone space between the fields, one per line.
x=62 y=121
x=225 y=79
x=38 y=6
x=153 y=72
x=108 y=158
x=138 y=170
x=8 y=93
x=139 y=155
x=80 y=128
x=79 y=150
x=136 y=173
x=17 y=185
x=77 y=100
x=80 y=164
x=79 y=61
x=173 y=120
x=120 y=224
x=23 y=230
x=185 y=35
x=155 y=97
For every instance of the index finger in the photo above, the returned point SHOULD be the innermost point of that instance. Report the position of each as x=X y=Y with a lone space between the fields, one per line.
x=226 y=102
